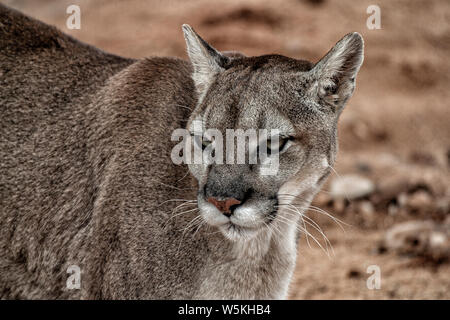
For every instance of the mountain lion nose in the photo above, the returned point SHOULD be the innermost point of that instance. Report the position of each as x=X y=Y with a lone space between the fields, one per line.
x=224 y=206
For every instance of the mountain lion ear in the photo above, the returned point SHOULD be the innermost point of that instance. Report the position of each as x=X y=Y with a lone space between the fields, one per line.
x=206 y=61
x=336 y=72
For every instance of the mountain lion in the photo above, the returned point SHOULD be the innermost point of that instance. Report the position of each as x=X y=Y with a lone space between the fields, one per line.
x=87 y=180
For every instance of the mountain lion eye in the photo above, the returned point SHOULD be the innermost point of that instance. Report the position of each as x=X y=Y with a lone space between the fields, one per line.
x=276 y=145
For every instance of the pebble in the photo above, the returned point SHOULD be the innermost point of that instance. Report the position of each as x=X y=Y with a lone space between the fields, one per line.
x=420 y=200
x=421 y=238
x=351 y=187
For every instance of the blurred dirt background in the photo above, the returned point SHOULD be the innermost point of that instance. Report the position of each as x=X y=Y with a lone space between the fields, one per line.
x=391 y=187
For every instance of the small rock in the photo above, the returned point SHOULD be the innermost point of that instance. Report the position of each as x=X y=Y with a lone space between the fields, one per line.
x=419 y=200
x=408 y=236
x=366 y=208
x=420 y=238
x=367 y=211
x=351 y=187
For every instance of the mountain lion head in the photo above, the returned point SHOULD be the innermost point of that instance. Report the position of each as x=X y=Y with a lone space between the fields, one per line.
x=298 y=100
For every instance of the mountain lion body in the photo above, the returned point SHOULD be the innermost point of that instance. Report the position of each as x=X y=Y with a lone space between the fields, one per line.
x=86 y=176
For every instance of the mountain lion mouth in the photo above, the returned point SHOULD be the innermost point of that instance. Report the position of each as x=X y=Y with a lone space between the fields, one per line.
x=241 y=221
x=234 y=231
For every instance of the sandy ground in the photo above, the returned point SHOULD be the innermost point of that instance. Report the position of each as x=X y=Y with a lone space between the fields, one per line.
x=396 y=126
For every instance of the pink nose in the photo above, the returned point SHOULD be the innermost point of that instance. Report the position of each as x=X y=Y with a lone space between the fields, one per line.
x=224 y=205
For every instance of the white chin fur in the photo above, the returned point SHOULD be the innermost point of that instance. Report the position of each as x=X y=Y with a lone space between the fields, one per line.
x=235 y=233
x=241 y=226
